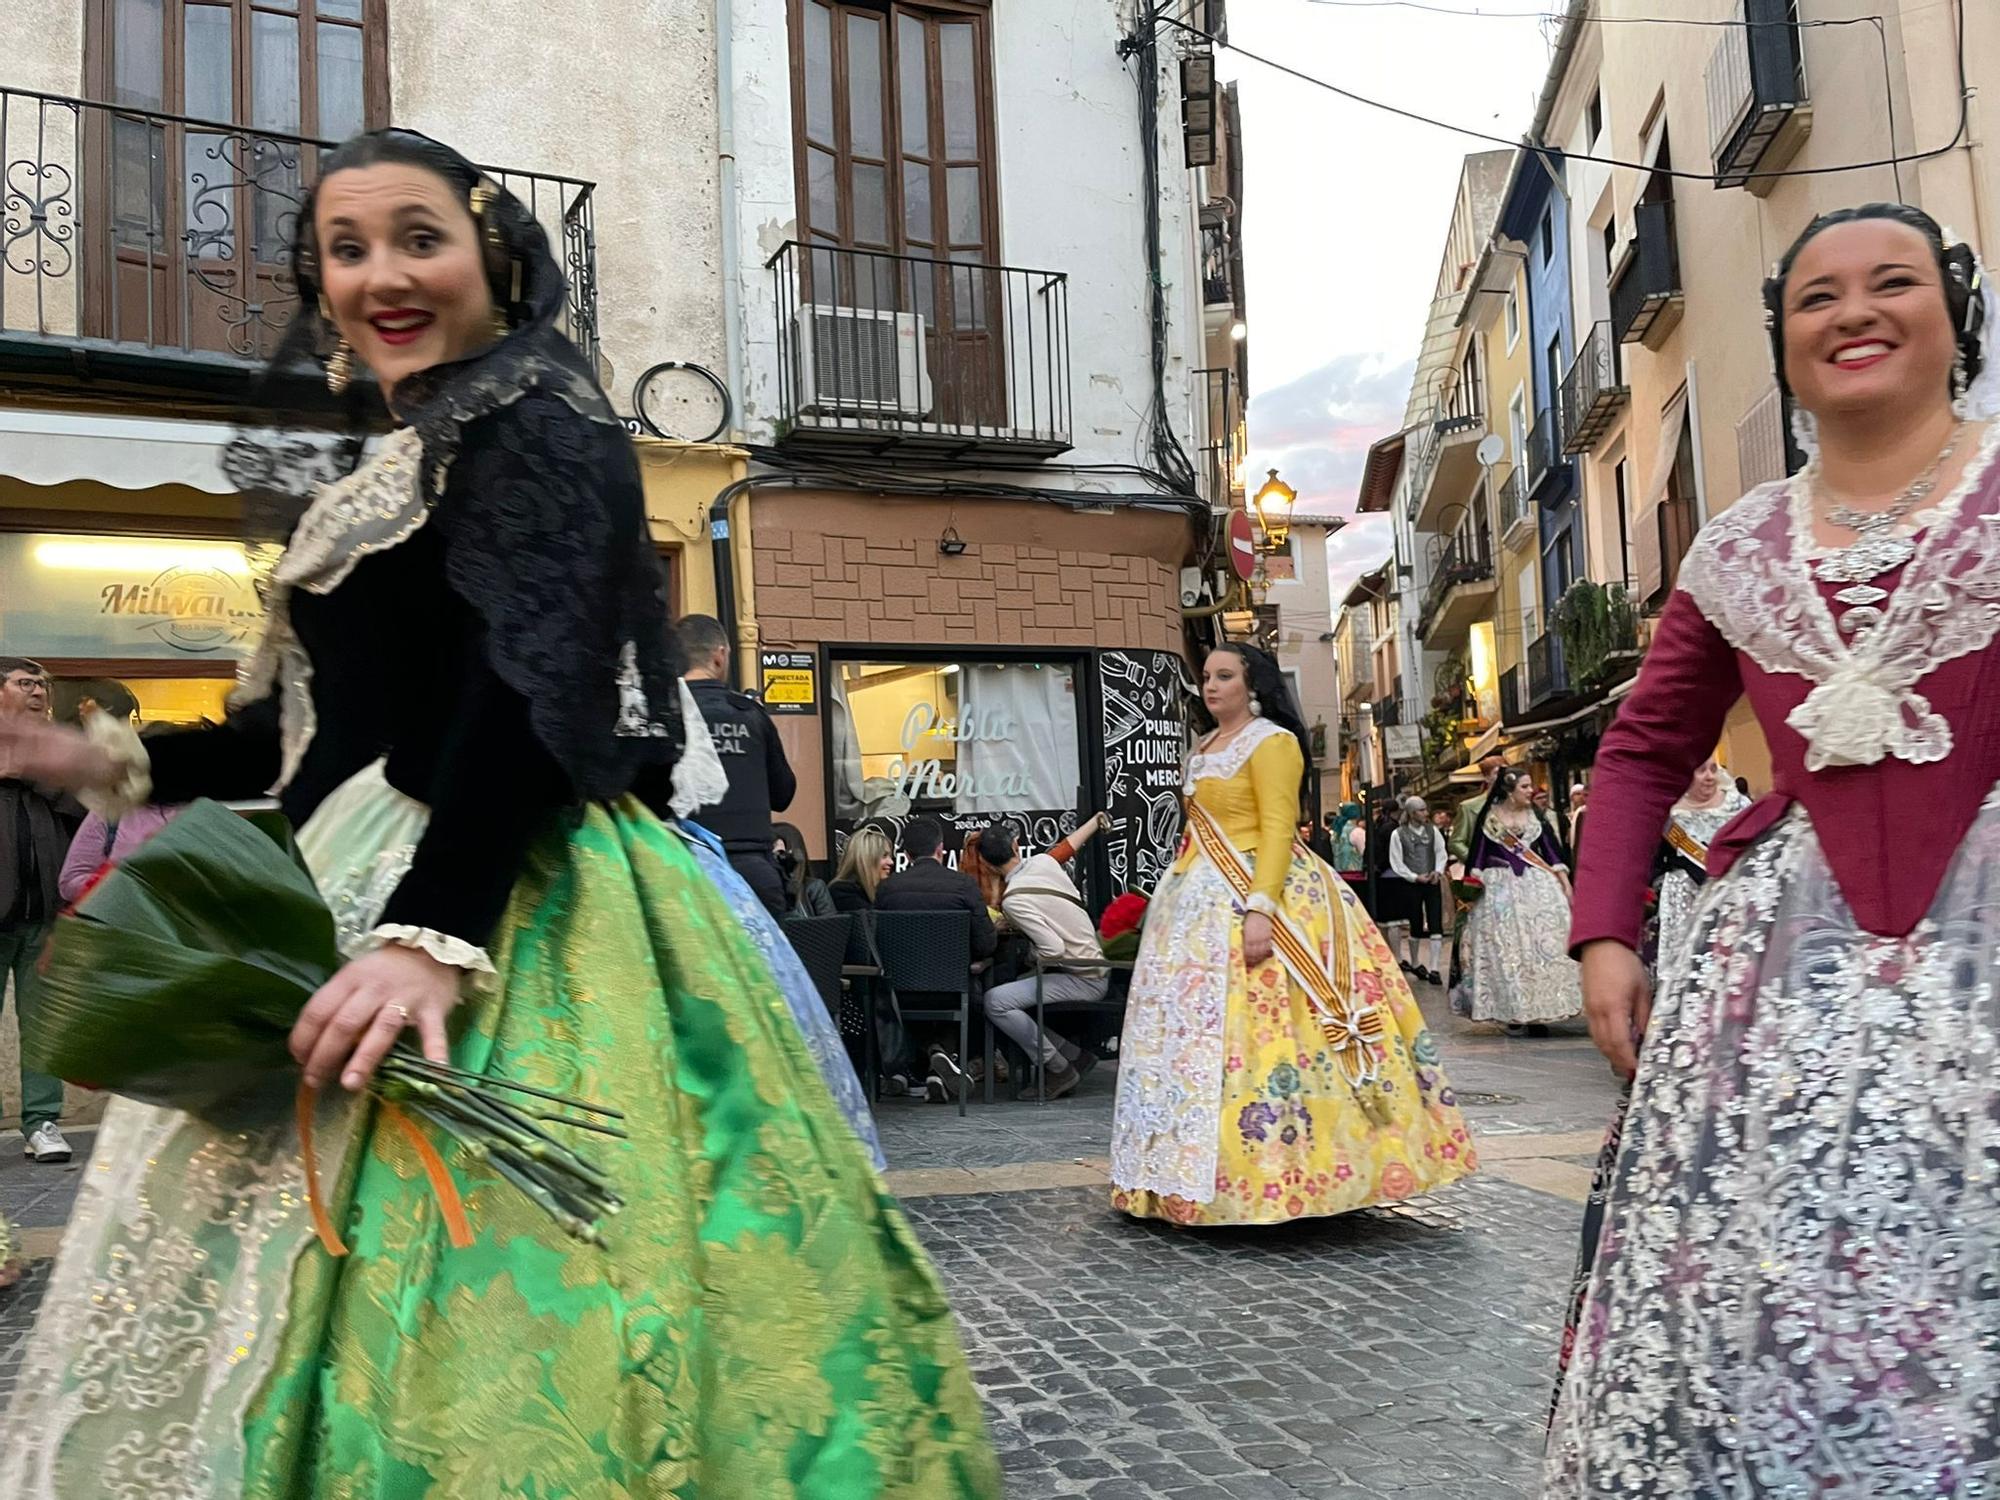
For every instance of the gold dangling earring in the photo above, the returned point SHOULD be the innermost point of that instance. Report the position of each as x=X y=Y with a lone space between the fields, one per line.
x=340 y=364
x=340 y=368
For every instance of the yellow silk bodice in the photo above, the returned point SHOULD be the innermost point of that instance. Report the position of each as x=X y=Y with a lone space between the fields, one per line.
x=1257 y=806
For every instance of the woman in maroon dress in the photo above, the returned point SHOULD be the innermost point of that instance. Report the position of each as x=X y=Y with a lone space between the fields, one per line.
x=1795 y=1293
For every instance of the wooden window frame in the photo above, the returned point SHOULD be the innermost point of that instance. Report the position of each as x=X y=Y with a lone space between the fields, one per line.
x=99 y=55
x=939 y=247
x=166 y=258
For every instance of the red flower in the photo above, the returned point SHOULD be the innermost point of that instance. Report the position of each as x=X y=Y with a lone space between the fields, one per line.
x=1123 y=915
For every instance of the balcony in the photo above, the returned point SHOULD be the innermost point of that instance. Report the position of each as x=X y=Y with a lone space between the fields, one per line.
x=880 y=352
x=1216 y=287
x=1389 y=710
x=1550 y=470
x=155 y=250
x=1759 y=112
x=1547 y=679
x=1646 y=297
x=1512 y=710
x=1460 y=591
x=1221 y=398
x=1517 y=515
x=1592 y=393
x=1444 y=455
x=1598 y=626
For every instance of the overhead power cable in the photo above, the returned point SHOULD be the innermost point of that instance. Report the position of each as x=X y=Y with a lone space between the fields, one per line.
x=1541 y=148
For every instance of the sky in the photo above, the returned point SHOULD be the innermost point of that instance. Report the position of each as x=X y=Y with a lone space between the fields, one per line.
x=1344 y=218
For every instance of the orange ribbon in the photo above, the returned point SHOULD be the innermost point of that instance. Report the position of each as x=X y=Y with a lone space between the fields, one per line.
x=457 y=1226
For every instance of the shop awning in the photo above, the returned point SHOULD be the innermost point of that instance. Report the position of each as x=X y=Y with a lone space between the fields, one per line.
x=127 y=453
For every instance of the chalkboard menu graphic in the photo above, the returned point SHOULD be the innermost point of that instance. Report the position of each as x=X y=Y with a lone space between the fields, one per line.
x=1145 y=748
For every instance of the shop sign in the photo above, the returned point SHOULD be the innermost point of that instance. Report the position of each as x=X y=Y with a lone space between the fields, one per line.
x=917 y=776
x=1145 y=749
x=788 y=681
x=129 y=597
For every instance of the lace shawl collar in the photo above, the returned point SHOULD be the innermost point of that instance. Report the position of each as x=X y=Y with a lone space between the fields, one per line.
x=1749 y=572
x=549 y=548
x=1232 y=757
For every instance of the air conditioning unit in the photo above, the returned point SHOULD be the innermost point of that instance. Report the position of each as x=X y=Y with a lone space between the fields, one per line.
x=862 y=359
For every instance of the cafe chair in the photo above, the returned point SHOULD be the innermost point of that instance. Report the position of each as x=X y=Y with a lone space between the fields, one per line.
x=929 y=954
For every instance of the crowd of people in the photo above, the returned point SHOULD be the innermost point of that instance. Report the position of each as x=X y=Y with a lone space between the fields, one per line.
x=550 y=843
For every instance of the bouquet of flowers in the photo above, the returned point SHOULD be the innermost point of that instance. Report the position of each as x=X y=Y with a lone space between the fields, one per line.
x=176 y=979
x=1466 y=886
x=1118 y=928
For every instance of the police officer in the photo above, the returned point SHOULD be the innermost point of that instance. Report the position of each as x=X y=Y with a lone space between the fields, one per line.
x=760 y=778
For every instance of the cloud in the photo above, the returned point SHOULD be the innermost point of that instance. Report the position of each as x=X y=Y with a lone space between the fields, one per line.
x=1316 y=430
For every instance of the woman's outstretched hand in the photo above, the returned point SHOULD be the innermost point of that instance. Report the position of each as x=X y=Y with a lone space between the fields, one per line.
x=53 y=756
x=350 y=1025
x=1617 y=1001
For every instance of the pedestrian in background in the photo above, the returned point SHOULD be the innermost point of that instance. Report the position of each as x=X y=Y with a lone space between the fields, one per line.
x=927 y=883
x=1417 y=864
x=1519 y=972
x=753 y=758
x=1042 y=903
x=806 y=895
x=36 y=826
x=865 y=862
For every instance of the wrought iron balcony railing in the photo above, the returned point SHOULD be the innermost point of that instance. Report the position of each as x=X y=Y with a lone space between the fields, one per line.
x=1759 y=111
x=1514 y=507
x=878 y=350
x=1467 y=559
x=1216 y=288
x=131 y=232
x=1221 y=395
x=1546 y=676
x=1646 y=291
x=1547 y=464
x=1389 y=710
x=1593 y=393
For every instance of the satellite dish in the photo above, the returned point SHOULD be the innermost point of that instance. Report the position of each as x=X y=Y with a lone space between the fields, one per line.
x=1490 y=448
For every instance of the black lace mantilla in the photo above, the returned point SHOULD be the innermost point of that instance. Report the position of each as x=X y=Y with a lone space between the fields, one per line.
x=545 y=535
x=533 y=483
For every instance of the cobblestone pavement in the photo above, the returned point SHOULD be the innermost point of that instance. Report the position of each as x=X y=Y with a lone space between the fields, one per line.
x=1402 y=1352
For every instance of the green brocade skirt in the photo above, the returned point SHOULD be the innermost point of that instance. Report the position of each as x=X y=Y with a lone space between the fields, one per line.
x=758 y=1324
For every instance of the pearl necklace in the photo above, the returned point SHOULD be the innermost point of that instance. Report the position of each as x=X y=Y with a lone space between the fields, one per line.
x=1877 y=547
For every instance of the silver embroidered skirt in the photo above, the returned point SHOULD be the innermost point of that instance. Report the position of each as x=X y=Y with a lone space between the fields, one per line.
x=1797 y=1293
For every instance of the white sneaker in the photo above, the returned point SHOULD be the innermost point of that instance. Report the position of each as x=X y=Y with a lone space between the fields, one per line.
x=46 y=1143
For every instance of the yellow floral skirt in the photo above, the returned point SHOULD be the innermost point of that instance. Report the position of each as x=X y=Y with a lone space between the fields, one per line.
x=1231 y=1107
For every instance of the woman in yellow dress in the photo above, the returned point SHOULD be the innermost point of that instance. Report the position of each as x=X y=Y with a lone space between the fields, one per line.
x=1274 y=1064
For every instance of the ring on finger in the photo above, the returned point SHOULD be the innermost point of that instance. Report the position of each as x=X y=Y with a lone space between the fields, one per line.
x=401 y=1014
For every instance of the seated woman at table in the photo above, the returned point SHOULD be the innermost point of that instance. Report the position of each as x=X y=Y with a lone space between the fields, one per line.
x=864 y=864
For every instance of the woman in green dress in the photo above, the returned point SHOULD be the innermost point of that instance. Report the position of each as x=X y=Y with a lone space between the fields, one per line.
x=467 y=669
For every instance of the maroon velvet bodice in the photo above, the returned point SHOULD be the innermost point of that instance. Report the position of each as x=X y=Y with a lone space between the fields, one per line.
x=1889 y=830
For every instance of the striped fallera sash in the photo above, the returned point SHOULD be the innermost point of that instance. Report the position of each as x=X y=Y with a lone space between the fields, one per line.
x=1687 y=844
x=1353 y=1028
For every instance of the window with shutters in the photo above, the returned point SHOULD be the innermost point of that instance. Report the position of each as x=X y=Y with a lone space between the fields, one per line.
x=200 y=220
x=893 y=133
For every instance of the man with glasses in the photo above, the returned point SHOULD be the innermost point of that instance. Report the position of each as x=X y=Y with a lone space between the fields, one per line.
x=35 y=829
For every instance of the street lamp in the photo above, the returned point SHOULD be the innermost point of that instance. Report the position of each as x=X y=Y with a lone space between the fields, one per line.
x=1273 y=505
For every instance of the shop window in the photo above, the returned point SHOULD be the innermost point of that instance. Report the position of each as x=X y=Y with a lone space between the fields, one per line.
x=962 y=742
x=165 y=620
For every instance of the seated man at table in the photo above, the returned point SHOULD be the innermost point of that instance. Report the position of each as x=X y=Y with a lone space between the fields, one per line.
x=927 y=883
x=1042 y=903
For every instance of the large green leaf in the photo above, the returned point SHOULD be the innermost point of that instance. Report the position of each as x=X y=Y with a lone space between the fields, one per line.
x=217 y=881
x=178 y=977
x=157 y=1020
